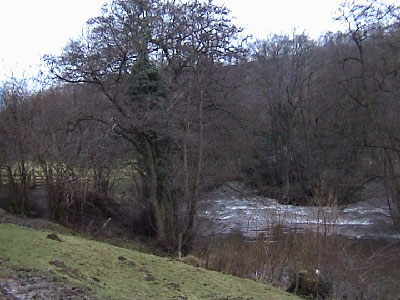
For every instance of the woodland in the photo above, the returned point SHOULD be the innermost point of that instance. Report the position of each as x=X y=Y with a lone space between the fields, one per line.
x=174 y=93
x=159 y=102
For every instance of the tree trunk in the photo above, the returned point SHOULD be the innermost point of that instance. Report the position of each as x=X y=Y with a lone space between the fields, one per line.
x=193 y=199
x=156 y=203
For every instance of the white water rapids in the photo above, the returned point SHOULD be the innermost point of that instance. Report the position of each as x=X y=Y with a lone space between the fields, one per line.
x=253 y=215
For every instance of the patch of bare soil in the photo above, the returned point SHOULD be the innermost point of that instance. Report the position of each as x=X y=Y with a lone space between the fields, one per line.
x=30 y=222
x=25 y=284
x=24 y=221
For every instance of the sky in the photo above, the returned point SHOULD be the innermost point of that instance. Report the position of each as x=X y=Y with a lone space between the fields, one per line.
x=263 y=17
x=30 y=29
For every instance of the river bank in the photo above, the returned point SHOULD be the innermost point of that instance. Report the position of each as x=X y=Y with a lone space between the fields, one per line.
x=355 y=248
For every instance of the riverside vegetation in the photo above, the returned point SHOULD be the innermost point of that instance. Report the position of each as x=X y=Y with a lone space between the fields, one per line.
x=160 y=102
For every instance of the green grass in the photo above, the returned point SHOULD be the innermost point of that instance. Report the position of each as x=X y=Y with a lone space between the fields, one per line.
x=116 y=273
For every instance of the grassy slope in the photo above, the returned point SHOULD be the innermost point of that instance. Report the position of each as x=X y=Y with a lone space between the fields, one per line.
x=117 y=273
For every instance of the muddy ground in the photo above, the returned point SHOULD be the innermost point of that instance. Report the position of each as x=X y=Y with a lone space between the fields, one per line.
x=25 y=284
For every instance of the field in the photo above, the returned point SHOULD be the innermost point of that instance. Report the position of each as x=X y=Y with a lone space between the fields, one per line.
x=93 y=270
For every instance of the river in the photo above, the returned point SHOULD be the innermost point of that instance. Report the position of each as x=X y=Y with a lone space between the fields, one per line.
x=362 y=258
x=229 y=209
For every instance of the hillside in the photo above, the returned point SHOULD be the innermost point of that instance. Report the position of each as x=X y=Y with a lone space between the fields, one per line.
x=36 y=264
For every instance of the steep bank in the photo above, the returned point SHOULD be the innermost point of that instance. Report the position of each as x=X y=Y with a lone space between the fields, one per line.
x=34 y=262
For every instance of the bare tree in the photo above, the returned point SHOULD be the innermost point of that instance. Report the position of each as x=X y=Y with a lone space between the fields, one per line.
x=124 y=54
x=373 y=28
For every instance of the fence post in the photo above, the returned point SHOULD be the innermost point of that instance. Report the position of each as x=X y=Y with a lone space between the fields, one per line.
x=3 y=177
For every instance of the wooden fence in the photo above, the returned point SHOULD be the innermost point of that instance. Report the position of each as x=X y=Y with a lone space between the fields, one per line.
x=117 y=185
x=34 y=178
